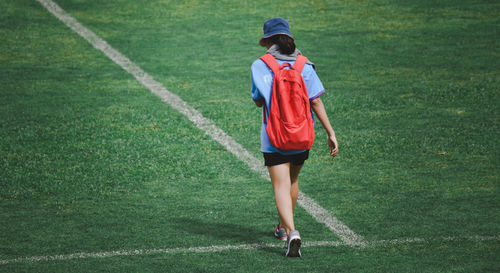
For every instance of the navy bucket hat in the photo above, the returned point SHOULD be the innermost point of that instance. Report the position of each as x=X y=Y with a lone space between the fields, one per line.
x=276 y=26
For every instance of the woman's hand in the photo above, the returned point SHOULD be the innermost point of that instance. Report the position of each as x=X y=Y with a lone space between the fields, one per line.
x=319 y=109
x=333 y=145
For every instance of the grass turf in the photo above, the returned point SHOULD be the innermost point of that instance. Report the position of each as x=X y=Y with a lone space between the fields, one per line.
x=91 y=161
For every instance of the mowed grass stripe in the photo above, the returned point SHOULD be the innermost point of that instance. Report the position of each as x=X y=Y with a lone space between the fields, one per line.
x=256 y=246
x=310 y=205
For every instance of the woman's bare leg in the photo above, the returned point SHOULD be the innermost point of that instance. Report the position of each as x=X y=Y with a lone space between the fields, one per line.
x=282 y=185
x=294 y=178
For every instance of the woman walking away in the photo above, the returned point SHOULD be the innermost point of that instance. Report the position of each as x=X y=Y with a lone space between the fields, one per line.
x=284 y=160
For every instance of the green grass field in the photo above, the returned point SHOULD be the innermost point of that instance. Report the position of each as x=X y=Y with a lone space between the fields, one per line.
x=92 y=162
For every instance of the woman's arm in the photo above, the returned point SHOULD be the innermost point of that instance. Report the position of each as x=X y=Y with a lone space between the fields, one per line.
x=319 y=109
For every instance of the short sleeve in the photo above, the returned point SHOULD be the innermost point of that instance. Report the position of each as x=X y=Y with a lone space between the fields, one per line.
x=313 y=83
x=255 y=91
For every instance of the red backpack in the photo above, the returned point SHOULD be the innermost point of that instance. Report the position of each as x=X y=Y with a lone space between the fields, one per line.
x=290 y=125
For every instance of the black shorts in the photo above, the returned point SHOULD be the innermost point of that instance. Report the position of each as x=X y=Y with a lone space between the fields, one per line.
x=272 y=159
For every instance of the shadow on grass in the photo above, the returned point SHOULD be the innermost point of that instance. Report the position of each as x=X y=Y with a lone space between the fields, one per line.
x=236 y=233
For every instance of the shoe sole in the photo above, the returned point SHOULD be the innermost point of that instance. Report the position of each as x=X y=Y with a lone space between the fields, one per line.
x=294 y=248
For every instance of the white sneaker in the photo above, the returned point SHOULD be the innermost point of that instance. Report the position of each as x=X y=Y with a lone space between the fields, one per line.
x=293 y=244
x=280 y=233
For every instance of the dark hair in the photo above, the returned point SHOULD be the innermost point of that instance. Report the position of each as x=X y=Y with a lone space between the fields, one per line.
x=285 y=43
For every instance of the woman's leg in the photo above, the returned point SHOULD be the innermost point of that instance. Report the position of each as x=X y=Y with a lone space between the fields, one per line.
x=294 y=177
x=280 y=178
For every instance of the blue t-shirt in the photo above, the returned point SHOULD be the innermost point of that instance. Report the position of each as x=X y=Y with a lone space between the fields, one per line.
x=262 y=81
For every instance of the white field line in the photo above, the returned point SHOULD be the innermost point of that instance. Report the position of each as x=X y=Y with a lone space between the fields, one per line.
x=208 y=126
x=206 y=249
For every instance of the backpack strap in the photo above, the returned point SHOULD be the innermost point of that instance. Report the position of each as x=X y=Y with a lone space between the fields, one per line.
x=300 y=63
x=271 y=62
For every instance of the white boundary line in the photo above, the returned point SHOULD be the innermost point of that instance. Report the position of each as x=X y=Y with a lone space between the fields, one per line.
x=205 y=249
x=208 y=126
